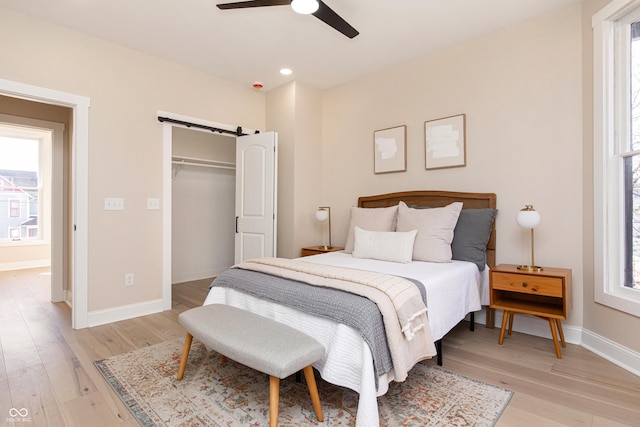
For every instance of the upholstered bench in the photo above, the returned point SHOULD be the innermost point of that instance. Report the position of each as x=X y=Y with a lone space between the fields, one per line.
x=257 y=342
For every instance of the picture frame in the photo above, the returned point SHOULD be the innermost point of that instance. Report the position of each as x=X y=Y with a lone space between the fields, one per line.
x=390 y=150
x=445 y=142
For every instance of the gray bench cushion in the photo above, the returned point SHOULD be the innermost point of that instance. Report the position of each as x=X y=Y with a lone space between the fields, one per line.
x=255 y=341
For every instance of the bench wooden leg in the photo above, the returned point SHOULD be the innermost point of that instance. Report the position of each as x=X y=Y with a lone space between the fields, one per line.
x=185 y=355
x=313 y=391
x=274 y=397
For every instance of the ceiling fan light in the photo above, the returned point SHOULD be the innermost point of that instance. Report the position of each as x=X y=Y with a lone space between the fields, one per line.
x=305 y=7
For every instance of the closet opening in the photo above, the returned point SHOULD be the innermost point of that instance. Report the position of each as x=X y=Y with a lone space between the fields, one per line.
x=202 y=204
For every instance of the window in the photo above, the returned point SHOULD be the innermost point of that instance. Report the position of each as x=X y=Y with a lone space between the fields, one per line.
x=616 y=31
x=24 y=179
x=14 y=208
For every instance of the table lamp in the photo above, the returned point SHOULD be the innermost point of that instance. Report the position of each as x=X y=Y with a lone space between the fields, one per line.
x=322 y=214
x=528 y=217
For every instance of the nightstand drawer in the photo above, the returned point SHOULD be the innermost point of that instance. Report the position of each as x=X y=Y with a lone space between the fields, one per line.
x=535 y=285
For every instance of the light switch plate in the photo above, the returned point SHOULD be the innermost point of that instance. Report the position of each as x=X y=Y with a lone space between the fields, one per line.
x=113 y=204
x=153 y=203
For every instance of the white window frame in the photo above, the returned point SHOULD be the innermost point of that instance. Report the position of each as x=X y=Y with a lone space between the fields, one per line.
x=610 y=130
x=45 y=141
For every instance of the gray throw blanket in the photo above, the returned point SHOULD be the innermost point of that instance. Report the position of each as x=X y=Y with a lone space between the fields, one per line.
x=349 y=309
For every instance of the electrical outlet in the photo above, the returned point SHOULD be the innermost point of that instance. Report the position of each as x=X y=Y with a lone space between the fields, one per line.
x=128 y=279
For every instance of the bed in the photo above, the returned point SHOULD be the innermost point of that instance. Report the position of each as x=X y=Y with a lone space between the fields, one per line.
x=355 y=358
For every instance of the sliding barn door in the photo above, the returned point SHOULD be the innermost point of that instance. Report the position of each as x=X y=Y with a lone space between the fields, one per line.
x=256 y=173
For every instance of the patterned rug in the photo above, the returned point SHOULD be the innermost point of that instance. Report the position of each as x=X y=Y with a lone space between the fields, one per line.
x=213 y=393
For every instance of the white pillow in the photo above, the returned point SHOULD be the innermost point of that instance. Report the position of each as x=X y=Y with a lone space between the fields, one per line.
x=435 y=230
x=371 y=219
x=384 y=245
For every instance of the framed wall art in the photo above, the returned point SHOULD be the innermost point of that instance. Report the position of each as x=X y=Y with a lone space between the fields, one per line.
x=445 y=145
x=390 y=150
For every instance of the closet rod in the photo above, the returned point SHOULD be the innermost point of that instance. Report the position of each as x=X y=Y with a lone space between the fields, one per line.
x=237 y=132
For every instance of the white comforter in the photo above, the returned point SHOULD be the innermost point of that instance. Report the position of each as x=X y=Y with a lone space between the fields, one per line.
x=453 y=290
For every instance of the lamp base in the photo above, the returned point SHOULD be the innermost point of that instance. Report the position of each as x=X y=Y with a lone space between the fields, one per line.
x=326 y=248
x=530 y=268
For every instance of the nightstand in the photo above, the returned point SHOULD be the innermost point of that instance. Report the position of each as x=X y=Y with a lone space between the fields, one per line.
x=545 y=293
x=315 y=250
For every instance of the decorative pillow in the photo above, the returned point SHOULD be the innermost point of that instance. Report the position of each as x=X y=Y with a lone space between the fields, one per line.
x=384 y=245
x=471 y=235
x=435 y=230
x=371 y=219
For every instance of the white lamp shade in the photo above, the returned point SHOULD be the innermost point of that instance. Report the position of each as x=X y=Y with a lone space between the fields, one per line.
x=528 y=217
x=305 y=7
x=322 y=214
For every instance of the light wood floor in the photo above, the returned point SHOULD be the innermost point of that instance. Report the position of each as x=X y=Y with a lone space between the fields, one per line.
x=47 y=367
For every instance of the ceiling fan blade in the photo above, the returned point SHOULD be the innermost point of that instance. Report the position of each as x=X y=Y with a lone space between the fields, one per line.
x=252 y=3
x=329 y=17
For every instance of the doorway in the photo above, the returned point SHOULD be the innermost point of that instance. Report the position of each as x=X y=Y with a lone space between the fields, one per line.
x=33 y=171
x=202 y=204
x=257 y=173
x=77 y=109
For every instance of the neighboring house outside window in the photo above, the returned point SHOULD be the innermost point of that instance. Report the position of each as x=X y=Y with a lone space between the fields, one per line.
x=20 y=213
x=616 y=35
x=26 y=149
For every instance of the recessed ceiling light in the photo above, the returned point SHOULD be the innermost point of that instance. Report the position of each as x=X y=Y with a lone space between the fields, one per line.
x=286 y=71
x=305 y=7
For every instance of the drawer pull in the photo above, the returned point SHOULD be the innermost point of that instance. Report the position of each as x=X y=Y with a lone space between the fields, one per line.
x=524 y=284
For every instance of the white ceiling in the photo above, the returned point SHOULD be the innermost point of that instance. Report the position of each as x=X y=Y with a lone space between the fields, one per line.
x=252 y=44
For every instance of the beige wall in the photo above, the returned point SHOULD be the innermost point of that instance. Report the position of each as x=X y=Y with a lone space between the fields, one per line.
x=295 y=111
x=127 y=89
x=521 y=91
x=609 y=323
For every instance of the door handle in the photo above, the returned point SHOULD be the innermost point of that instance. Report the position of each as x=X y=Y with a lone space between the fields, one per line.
x=236 y=225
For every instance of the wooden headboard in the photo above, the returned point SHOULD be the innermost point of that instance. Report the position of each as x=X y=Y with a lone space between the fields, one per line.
x=435 y=199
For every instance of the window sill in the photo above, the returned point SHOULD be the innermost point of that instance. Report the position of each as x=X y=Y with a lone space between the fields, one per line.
x=20 y=243
x=627 y=304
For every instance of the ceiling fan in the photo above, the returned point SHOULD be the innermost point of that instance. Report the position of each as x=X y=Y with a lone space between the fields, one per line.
x=316 y=8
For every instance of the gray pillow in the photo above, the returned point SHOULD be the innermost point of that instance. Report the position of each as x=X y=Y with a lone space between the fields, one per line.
x=471 y=235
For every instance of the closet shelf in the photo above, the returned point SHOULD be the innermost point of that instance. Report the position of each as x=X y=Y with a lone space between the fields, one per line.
x=180 y=161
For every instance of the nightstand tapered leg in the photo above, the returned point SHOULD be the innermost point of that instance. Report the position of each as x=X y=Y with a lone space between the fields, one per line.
x=511 y=315
x=560 y=332
x=505 y=316
x=552 y=324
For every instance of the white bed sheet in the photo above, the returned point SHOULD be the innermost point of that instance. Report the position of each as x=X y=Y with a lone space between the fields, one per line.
x=349 y=362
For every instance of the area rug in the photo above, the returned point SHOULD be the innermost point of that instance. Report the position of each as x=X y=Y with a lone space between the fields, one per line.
x=214 y=393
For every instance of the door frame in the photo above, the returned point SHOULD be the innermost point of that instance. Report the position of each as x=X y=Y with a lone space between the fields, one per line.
x=78 y=277
x=167 y=177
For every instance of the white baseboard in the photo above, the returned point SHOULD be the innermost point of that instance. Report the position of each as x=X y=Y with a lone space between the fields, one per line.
x=613 y=352
x=23 y=265
x=124 y=312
